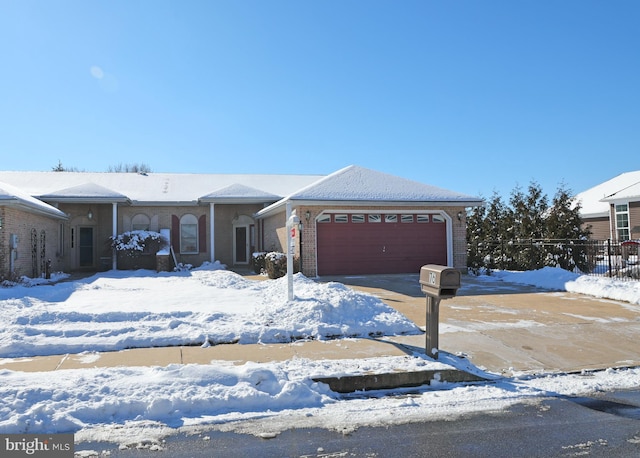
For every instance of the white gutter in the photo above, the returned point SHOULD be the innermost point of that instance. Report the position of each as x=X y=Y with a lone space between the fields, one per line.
x=274 y=208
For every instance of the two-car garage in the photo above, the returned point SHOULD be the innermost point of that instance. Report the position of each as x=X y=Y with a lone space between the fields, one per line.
x=359 y=221
x=372 y=243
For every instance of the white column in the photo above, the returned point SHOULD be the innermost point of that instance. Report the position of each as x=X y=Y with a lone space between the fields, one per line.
x=289 y=253
x=212 y=230
x=114 y=232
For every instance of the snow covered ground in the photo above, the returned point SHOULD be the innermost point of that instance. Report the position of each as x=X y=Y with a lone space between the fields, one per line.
x=124 y=309
x=116 y=310
x=563 y=280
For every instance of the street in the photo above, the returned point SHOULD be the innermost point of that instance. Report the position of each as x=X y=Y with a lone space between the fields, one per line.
x=605 y=424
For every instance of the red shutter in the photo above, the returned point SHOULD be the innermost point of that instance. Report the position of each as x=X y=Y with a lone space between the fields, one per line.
x=202 y=233
x=175 y=233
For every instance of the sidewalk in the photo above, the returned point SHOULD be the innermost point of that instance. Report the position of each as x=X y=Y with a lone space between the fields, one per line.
x=500 y=329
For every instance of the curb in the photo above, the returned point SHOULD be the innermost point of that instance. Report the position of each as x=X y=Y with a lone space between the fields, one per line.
x=367 y=382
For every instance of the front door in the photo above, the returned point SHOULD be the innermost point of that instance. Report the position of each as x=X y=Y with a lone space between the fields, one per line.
x=241 y=245
x=85 y=247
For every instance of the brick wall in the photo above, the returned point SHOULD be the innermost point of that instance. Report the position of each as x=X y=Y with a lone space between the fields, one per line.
x=28 y=259
x=274 y=233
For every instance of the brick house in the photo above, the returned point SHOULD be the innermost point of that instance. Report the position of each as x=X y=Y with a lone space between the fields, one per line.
x=30 y=234
x=612 y=209
x=355 y=220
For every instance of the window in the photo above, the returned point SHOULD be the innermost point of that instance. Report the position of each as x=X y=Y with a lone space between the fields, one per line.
x=406 y=218
x=357 y=218
x=140 y=222
x=375 y=219
x=341 y=218
x=188 y=234
x=622 y=221
x=324 y=218
x=390 y=218
x=437 y=218
x=422 y=218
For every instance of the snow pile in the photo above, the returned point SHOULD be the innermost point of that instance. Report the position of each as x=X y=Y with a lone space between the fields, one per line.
x=123 y=309
x=145 y=404
x=28 y=281
x=172 y=395
x=628 y=291
x=555 y=278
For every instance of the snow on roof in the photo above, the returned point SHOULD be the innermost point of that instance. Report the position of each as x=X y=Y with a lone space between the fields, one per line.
x=351 y=184
x=628 y=193
x=358 y=184
x=238 y=193
x=595 y=201
x=153 y=187
x=87 y=191
x=10 y=195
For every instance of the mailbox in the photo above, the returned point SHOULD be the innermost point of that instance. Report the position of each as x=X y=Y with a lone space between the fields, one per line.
x=439 y=281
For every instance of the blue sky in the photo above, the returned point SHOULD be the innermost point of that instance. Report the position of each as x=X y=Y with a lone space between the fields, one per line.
x=473 y=96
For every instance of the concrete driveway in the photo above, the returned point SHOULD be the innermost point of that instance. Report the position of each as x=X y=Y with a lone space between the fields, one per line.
x=505 y=328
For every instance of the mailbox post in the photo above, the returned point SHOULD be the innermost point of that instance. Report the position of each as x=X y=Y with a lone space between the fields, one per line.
x=293 y=223
x=437 y=282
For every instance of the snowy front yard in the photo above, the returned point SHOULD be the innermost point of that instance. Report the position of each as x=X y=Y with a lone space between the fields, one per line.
x=206 y=306
x=129 y=405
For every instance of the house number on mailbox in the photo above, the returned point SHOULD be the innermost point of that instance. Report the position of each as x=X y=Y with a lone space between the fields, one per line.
x=432 y=278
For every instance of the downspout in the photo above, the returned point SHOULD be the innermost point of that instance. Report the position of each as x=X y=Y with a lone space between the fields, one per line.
x=212 y=234
x=114 y=233
x=612 y=215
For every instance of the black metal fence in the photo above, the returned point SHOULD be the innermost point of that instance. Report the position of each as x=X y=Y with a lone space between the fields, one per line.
x=595 y=257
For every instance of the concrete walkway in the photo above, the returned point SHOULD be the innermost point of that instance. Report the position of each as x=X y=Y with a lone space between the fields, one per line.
x=498 y=327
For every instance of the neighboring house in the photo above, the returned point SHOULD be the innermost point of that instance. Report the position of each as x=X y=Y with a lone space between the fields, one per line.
x=612 y=209
x=354 y=221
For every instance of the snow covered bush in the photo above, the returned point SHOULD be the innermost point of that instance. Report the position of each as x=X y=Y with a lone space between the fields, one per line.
x=135 y=240
x=135 y=249
x=276 y=264
x=259 y=260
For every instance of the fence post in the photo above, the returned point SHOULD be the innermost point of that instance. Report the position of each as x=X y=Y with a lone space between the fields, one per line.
x=609 y=255
x=533 y=263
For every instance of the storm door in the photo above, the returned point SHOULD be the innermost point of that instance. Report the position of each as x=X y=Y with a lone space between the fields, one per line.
x=85 y=247
x=241 y=245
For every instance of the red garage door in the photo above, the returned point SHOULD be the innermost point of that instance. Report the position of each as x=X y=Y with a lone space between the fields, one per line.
x=379 y=243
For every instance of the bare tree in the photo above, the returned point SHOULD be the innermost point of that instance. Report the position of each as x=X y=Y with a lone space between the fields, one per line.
x=129 y=168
